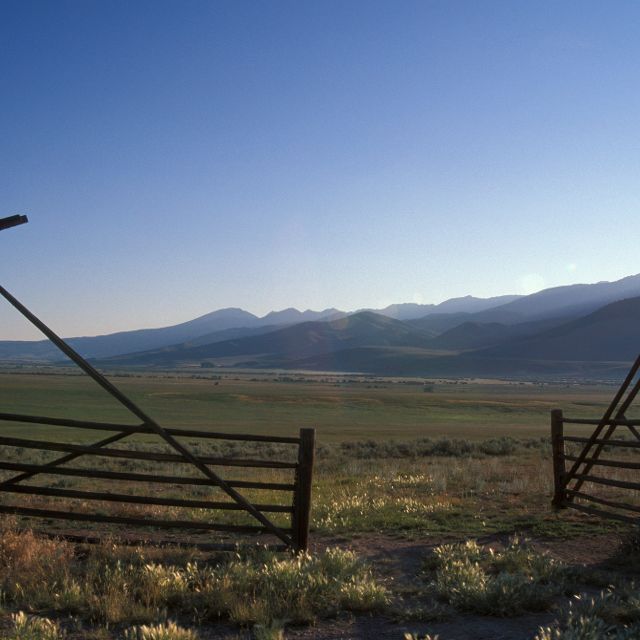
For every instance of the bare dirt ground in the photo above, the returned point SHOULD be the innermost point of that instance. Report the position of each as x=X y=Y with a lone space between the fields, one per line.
x=400 y=560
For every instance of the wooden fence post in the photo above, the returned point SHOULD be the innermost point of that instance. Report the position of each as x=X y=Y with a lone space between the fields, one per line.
x=302 y=495
x=559 y=470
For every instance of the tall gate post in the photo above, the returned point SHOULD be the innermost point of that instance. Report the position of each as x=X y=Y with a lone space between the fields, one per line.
x=559 y=470
x=302 y=495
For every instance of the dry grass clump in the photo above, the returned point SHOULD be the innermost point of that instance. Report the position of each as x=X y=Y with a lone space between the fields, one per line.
x=28 y=563
x=166 y=631
x=34 y=628
x=506 y=583
x=110 y=588
x=297 y=589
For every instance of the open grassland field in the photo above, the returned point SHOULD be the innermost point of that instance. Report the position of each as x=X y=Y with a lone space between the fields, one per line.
x=340 y=408
x=431 y=515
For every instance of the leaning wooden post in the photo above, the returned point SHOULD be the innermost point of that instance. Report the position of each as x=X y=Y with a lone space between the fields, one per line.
x=559 y=471
x=302 y=496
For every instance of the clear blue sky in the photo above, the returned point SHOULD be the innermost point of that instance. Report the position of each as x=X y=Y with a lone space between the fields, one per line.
x=178 y=157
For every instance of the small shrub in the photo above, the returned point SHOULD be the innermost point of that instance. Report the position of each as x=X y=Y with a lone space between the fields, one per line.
x=613 y=615
x=296 y=588
x=428 y=447
x=578 y=628
x=507 y=583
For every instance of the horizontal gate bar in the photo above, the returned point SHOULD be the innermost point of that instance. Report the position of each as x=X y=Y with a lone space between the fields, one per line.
x=595 y=421
x=141 y=455
x=76 y=424
x=608 y=503
x=614 y=443
x=139 y=477
x=142 y=522
x=124 y=497
x=623 y=484
x=107 y=426
x=601 y=512
x=618 y=464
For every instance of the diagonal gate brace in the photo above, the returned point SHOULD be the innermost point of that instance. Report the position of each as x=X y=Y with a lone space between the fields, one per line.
x=147 y=421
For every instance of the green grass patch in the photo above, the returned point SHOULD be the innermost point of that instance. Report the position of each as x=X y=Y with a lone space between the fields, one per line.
x=352 y=411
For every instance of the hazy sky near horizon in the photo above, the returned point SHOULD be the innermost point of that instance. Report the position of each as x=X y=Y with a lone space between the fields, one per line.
x=179 y=157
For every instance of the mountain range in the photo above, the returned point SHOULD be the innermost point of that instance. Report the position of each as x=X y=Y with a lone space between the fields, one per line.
x=218 y=325
x=582 y=330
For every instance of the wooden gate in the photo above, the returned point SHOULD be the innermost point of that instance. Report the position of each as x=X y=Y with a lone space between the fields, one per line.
x=293 y=535
x=608 y=482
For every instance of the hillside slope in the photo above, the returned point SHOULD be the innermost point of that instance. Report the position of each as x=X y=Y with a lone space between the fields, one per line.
x=292 y=343
x=611 y=333
x=569 y=301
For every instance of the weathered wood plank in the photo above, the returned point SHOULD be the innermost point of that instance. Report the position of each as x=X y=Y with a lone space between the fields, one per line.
x=557 y=451
x=609 y=503
x=132 y=499
x=12 y=221
x=619 y=464
x=141 y=522
x=302 y=494
x=141 y=455
x=139 y=477
x=596 y=421
x=631 y=444
x=610 y=482
x=180 y=432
